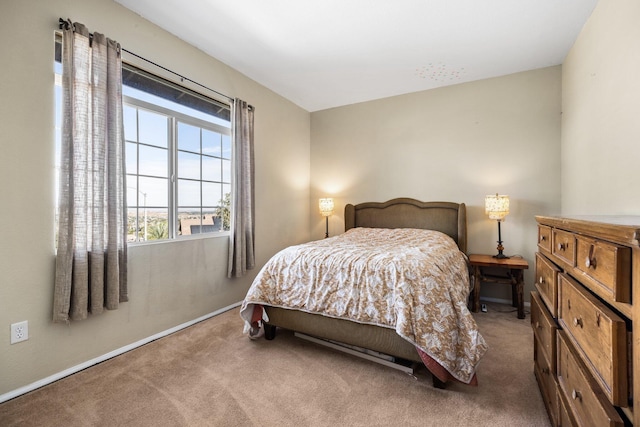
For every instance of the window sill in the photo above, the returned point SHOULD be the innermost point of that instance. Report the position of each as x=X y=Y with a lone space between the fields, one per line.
x=182 y=239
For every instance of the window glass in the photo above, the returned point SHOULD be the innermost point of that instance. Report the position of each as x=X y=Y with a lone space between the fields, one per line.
x=211 y=169
x=153 y=161
x=188 y=165
x=152 y=128
x=188 y=137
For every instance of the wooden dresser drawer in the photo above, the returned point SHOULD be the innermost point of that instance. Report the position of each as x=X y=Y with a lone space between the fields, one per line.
x=564 y=246
x=547 y=283
x=565 y=416
x=544 y=329
x=546 y=382
x=599 y=334
x=608 y=264
x=584 y=397
x=544 y=237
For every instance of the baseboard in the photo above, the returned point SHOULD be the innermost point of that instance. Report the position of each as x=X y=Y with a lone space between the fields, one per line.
x=58 y=376
x=502 y=301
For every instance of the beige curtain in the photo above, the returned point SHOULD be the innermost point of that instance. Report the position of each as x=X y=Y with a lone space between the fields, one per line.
x=91 y=269
x=242 y=244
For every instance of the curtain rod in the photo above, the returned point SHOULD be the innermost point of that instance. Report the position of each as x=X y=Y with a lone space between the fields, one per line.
x=64 y=23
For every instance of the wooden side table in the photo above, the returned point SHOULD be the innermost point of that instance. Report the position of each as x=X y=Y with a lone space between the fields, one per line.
x=508 y=271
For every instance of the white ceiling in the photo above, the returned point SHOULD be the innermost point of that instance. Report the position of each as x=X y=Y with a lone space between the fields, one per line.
x=327 y=53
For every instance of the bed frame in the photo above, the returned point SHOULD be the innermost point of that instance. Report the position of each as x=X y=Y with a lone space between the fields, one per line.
x=449 y=218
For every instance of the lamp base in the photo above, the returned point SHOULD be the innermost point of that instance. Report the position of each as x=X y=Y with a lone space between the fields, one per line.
x=326 y=234
x=500 y=248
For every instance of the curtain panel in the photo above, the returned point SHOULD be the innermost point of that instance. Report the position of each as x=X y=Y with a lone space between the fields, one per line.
x=91 y=260
x=242 y=240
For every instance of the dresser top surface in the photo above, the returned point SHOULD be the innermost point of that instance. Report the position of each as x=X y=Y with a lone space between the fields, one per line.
x=624 y=229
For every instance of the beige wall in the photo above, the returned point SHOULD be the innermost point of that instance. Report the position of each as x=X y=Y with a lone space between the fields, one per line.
x=457 y=143
x=170 y=283
x=601 y=113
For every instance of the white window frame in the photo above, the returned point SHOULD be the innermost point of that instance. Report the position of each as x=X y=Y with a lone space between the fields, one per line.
x=173 y=118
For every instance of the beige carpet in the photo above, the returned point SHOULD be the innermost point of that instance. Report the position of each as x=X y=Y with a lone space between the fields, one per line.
x=210 y=375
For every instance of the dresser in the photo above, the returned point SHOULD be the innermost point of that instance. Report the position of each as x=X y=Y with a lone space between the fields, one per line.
x=584 y=309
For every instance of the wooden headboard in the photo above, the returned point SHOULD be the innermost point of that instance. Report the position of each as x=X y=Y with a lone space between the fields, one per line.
x=446 y=217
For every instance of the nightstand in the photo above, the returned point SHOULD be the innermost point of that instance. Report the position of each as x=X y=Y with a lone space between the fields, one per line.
x=508 y=271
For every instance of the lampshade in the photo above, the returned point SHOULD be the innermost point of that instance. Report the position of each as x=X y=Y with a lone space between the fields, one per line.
x=326 y=207
x=497 y=207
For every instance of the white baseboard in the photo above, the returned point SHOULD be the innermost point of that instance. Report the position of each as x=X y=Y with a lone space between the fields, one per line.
x=55 y=377
x=502 y=301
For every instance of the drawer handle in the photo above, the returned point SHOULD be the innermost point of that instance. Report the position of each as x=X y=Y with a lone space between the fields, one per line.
x=562 y=246
x=538 y=325
x=576 y=395
x=546 y=371
x=543 y=238
x=590 y=262
x=541 y=280
x=577 y=321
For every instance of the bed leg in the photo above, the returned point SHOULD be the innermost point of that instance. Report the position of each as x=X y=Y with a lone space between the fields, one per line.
x=269 y=331
x=438 y=383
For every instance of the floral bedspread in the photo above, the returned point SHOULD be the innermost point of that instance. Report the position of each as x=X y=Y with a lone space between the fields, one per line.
x=414 y=281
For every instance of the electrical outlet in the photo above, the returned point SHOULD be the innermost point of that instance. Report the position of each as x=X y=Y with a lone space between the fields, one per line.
x=19 y=332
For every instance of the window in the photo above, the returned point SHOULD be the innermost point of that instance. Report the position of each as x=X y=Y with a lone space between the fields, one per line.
x=178 y=159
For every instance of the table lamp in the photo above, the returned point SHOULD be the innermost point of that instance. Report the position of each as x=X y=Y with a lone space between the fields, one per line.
x=326 y=210
x=497 y=207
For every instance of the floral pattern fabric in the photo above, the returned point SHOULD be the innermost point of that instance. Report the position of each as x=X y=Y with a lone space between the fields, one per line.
x=414 y=281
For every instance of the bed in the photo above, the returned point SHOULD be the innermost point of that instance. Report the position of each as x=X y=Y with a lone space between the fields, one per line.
x=375 y=223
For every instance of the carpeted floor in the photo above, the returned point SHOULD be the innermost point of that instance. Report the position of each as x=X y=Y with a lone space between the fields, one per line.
x=212 y=375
